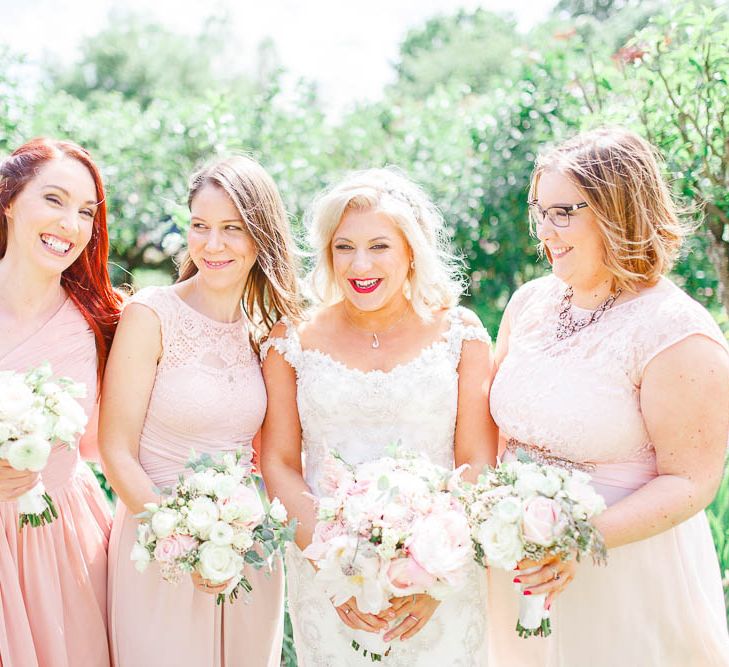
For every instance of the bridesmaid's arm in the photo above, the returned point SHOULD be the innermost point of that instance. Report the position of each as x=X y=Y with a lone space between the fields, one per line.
x=684 y=398
x=281 y=444
x=127 y=386
x=476 y=433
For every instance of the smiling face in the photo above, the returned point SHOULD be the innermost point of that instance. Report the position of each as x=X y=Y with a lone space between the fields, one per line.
x=51 y=219
x=218 y=240
x=577 y=250
x=370 y=258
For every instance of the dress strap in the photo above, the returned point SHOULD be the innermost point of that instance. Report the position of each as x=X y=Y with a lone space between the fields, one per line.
x=461 y=330
x=288 y=345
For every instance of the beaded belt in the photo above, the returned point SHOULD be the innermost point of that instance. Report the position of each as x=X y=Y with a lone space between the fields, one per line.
x=543 y=456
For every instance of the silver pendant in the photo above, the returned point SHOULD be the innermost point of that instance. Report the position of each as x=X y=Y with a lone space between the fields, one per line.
x=375 y=341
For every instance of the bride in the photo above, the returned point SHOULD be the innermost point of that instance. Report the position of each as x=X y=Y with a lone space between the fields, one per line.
x=386 y=357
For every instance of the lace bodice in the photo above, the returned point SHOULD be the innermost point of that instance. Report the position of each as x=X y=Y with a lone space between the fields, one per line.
x=208 y=392
x=579 y=397
x=359 y=413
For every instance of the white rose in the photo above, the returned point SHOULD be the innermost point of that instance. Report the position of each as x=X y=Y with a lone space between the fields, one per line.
x=551 y=483
x=327 y=509
x=68 y=407
x=163 y=522
x=29 y=453
x=33 y=502
x=202 y=515
x=529 y=482
x=203 y=482
x=243 y=540
x=278 y=511
x=231 y=510
x=16 y=398
x=221 y=533
x=588 y=502
x=501 y=543
x=218 y=563
x=224 y=485
x=140 y=557
x=508 y=510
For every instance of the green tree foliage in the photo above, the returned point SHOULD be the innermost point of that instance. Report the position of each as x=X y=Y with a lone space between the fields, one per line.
x=470 y=48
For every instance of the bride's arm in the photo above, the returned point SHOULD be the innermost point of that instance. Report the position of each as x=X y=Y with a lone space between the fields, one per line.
x=281 y=444
x=476 y=437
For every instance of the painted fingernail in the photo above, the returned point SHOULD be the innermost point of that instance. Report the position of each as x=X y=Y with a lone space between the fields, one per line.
x=527 y=592
x=517 y=580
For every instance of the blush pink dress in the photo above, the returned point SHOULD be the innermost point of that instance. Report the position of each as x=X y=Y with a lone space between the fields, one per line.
x=53 y=578
x=659 y=601
x=208 y=396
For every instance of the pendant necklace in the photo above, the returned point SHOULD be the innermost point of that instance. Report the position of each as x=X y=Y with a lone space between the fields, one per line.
x=375 y=334
x=567 y=325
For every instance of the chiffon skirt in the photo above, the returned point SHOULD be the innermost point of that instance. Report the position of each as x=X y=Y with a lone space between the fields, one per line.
x=53 y=578
x=153 y=622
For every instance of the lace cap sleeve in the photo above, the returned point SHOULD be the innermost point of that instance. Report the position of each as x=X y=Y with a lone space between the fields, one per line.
x=669 y=321
x=464 y=325
x=288 y=345
x=159 y=300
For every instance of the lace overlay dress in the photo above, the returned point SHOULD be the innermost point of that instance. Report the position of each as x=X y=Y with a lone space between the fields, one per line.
x=359 y=413
x=659 y=600
x=208 y=395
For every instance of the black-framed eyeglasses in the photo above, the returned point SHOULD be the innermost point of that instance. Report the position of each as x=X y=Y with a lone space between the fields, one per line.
x=559 y=216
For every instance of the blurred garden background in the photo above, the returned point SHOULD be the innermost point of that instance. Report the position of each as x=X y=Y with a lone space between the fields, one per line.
x=472 y=97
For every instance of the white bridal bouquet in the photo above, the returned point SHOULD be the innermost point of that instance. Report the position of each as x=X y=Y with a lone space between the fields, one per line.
x=523 y=509
x=388 y=528
x=214 y=522
x=37 y=410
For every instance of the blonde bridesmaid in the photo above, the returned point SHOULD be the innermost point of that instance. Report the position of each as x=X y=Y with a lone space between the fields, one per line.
x=184 y=374
x=56 y=304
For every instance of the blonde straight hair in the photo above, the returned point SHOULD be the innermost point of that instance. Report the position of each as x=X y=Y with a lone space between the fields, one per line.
x=434 y=281
x=620 y=176
x=272 y=289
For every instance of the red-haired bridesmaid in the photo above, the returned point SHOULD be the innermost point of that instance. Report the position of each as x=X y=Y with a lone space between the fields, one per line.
x=56 y=304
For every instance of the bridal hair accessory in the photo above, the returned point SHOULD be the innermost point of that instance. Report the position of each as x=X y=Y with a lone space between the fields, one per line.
x=567 y=325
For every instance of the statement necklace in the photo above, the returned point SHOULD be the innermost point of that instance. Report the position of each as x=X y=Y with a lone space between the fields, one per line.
x=567 y=325
x=375 y=334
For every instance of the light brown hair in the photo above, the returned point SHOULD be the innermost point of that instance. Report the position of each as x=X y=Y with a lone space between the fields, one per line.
x=272 y=289
x=620 y=176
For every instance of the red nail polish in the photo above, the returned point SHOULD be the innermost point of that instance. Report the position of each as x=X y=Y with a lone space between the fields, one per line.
x=517 y=580
x=527 y=592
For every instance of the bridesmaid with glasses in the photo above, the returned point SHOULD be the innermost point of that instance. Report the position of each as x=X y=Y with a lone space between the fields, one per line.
x=607 y=366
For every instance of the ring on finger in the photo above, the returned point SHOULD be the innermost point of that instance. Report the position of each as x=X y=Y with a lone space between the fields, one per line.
x=346 y=611
x=555 y=574
x=415 y=618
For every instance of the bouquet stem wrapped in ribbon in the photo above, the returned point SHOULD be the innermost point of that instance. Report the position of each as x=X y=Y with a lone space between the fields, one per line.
x=526 y=510
x=37 y=410
x=388 y=528
x=214 y=522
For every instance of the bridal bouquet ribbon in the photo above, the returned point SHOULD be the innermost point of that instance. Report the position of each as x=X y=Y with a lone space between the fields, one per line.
x=525 y=510
x=37 y=410
x=388 y=528
x=214 y=522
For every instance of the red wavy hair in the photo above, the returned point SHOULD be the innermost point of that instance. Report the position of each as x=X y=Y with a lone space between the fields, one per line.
x=87 y=280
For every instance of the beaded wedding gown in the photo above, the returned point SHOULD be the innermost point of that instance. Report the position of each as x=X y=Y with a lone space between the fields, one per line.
x=359 y=413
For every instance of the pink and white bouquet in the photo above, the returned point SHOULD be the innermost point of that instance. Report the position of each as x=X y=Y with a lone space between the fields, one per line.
x=214 y=522
x=526 y=510
x=37 y=410
x=388 y=528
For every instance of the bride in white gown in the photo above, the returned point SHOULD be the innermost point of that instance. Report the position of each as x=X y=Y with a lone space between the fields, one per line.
x=388 y=356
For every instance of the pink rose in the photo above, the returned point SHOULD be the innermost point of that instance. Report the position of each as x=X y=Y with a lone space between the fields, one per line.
x=542 y=521
x=170 y=548
x=335 y=477
x=407 y=577
x=324 y=532
x=245 y=504
x=441 y=543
